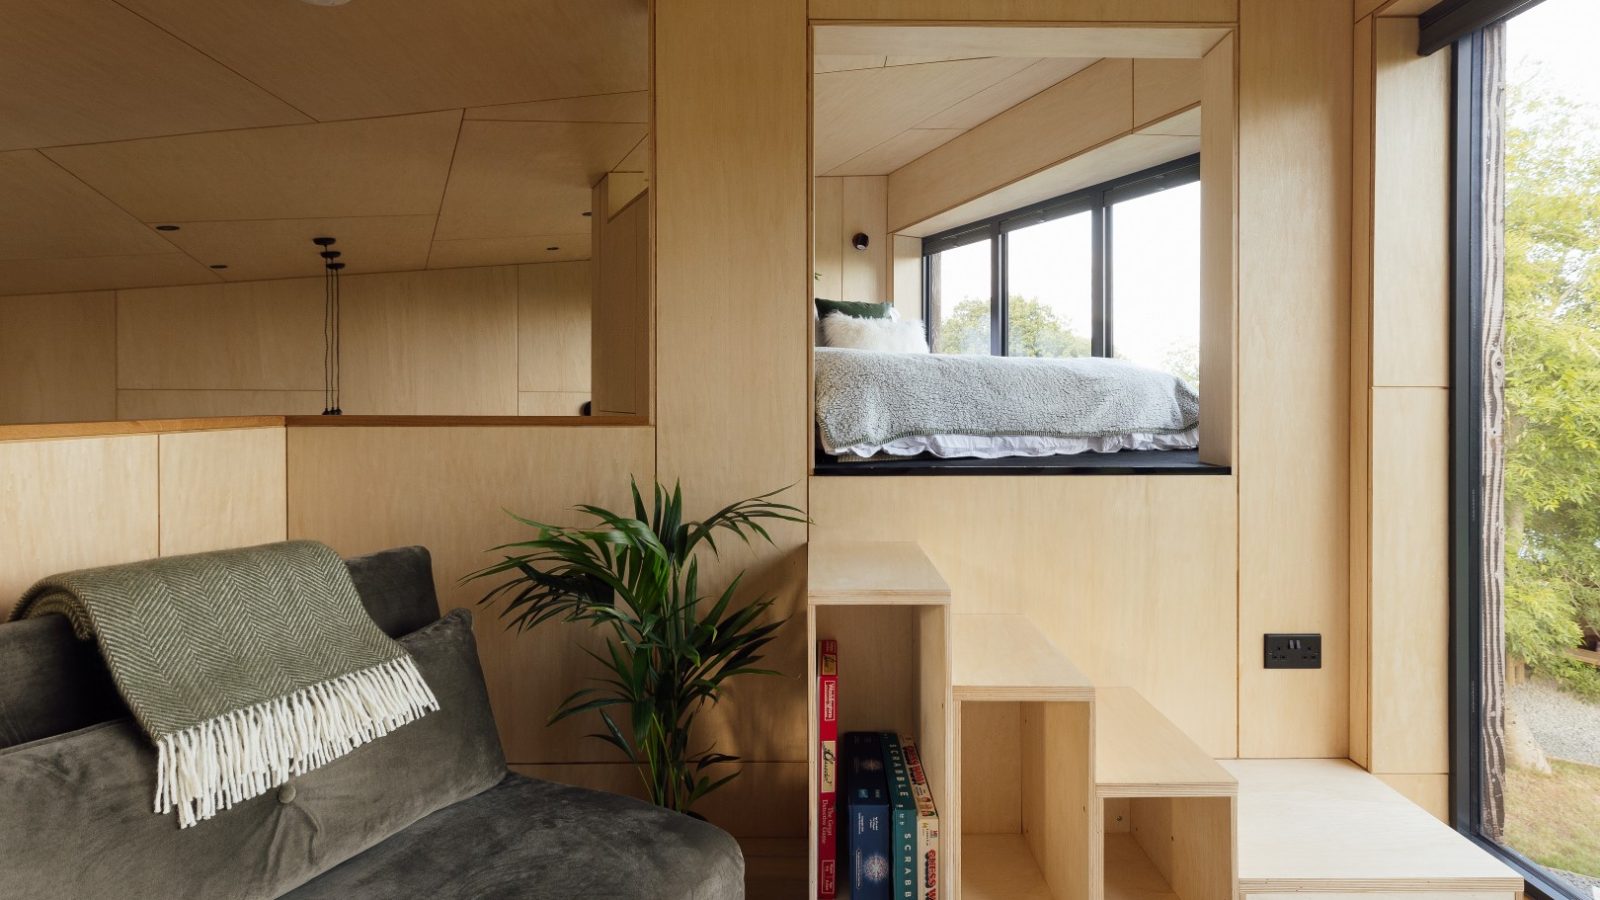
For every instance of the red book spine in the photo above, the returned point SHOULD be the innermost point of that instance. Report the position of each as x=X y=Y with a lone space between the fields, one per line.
x=828 y=763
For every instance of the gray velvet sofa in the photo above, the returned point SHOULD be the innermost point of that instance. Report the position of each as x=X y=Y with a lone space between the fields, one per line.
x=429 y=811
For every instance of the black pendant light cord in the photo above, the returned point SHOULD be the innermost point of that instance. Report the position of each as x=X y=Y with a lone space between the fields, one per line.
x=330 y=325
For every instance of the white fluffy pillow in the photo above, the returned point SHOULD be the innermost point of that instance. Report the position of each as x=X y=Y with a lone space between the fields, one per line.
x=882 y=335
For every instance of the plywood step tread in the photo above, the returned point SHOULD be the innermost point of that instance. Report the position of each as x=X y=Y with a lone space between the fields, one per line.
x=1003 y=657
x=1138 y=752
x=1000 y=867
x=873 y=573
x=1330 y=826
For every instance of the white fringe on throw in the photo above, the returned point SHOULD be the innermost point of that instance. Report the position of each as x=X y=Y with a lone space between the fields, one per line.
x=245 y=753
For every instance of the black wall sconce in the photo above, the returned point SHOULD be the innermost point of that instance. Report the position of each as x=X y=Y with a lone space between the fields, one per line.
x=859 y=241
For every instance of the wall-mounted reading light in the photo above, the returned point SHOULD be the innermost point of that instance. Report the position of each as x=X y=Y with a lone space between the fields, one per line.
x=330 y=324
x=552 y=248
x=166 y=228
x=219 y=265
x=859 y=241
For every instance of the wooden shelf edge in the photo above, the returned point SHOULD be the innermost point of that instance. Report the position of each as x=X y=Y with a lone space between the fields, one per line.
x=1022 y=693
x=1158 y=791
x=118 y=428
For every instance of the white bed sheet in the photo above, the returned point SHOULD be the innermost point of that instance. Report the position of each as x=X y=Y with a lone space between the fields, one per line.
x=953 y=446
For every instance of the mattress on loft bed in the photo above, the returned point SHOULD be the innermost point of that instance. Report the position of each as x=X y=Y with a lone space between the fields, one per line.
x=871 y=404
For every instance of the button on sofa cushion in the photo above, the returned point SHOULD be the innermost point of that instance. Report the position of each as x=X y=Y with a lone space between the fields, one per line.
x=76 y=819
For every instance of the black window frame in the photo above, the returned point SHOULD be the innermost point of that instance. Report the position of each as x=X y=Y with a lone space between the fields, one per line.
x=1096 y=200
x=1466 y=461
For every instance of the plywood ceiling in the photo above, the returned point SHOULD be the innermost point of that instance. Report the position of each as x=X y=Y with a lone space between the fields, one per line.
x=874 y=114
x=421 y=134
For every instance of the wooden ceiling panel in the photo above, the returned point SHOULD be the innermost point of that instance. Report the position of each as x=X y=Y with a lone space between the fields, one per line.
x=896 y=151
x=42 y=276
x=991 y=101
x=514 y=179
x=1020 y=41
x=372 y=167
x=630 y=106
x=398 y=56
x=281 y=248
x=504 y=251
x=859 y=109
x=78 y=71
x=47 y=213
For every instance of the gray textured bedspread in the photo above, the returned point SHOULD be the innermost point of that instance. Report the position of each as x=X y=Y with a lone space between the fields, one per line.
x=865 y=397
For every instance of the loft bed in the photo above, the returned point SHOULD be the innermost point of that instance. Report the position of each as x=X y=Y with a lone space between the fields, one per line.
x=903 y=410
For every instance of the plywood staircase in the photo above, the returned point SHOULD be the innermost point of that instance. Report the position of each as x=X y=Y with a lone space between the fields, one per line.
x=1074 y=791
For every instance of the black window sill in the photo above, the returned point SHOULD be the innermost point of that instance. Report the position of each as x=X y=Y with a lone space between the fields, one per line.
x=1127 y=462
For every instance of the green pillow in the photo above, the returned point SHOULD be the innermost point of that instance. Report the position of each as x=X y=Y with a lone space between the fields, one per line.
x=854 y=308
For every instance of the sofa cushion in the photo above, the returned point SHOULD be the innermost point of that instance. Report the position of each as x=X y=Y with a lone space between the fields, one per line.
x=51 y=683
x=528 y=839
x=76 y=820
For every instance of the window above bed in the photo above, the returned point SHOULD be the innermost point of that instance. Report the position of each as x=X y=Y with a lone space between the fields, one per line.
x=1111 y=270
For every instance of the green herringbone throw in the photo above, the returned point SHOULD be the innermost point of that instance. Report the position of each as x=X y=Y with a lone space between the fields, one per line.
x=246 y=667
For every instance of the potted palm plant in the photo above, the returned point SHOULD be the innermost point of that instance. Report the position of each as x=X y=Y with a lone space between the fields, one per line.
x=669 y=650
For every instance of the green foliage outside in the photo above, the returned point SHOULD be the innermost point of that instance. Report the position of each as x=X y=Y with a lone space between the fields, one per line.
x=1036 y=330
x=1552 y=351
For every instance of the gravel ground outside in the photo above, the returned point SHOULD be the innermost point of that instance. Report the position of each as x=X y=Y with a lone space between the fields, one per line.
x=1566 y=726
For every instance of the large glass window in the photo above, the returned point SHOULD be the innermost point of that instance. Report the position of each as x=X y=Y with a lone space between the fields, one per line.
x=1528 y=443
x=1113 y=270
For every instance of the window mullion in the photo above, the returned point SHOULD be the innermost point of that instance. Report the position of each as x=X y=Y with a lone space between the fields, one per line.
x=997 y=291
x=1100 y=320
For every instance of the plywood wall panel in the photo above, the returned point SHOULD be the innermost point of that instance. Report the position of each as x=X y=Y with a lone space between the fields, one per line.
x=221 y=489
x=1361 y=227
x=182 y=404
x=865 y=271
x=1411 y=201
x=364 y=489
x=58 y=358
x=252 y=336
x=551 y=403
x=1294 y=271
x=1107 y=567
x=732 y=271
x=620 y=355
x=72 y=504
x=434 y=343
x=1219 y=261
x=553 y=316
x=1163 y=85
x=1410 y=603
x=827 y=222
x=1087 y=109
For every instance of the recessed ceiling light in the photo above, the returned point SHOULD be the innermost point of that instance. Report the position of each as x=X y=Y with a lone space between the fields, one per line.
x=588 y=214
x=166 y=228
x=325 y=2
x=219 y=265
x=552 y=248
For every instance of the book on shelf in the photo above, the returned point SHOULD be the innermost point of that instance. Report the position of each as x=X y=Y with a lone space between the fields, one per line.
x=866 y=826
x=927 y=823
x=902 y=820
x=828 y=768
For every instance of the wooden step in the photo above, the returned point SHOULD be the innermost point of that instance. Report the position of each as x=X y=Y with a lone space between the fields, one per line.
x=1330 y=827
x=1007 y=658
x=1139 y=753
x=873 y=573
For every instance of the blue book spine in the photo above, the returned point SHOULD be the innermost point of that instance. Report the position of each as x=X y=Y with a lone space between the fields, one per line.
x=902 y=820
x=866 y=831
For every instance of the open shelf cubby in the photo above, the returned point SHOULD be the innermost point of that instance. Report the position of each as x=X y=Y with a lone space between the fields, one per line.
x=889 y=610
x=1168 y=809
x=1024 y=718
